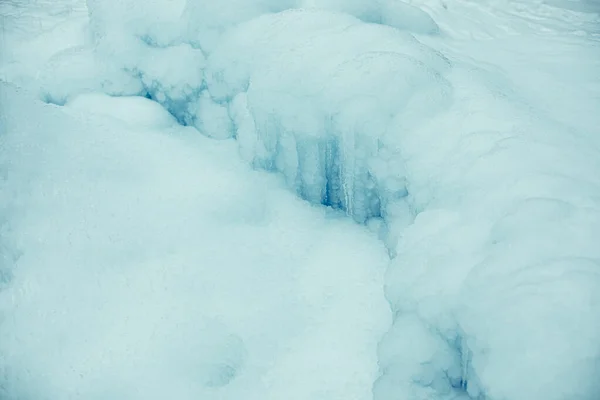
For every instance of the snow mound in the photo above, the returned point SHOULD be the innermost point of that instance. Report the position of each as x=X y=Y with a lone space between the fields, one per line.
x=137 y=112
x=152 y=264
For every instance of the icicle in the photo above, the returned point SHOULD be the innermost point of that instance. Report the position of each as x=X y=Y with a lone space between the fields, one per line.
x=465 y=359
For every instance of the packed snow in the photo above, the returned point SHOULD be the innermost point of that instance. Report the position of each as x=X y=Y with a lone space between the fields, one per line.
x=300 y=199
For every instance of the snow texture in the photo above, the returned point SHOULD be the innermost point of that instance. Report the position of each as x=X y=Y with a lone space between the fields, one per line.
x=142 y=259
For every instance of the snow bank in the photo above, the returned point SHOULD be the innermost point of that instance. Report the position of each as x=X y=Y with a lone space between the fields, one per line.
x=152 y=264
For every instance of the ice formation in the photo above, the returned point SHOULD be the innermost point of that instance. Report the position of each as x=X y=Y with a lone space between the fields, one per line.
x=465 y=134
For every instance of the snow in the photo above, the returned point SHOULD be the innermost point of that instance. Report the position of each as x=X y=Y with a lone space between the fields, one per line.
x=153 y=264
x=84 y=72
x=137 y=112
x=441 y=154
x=210 y=118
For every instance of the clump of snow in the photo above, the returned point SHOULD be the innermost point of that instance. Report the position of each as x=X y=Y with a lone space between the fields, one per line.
x=175 y=85
x=79 y=70
x=172 y=75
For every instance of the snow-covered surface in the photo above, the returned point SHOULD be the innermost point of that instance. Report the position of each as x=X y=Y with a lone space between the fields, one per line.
x=143 y=259
x=154 y=264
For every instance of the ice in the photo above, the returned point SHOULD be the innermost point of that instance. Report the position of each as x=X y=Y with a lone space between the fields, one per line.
x=210 y=118
x=322 y=129
x=463 y=135
x=174 y=85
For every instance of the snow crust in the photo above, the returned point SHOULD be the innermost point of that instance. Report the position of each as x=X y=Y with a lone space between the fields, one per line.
x=463 y=134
